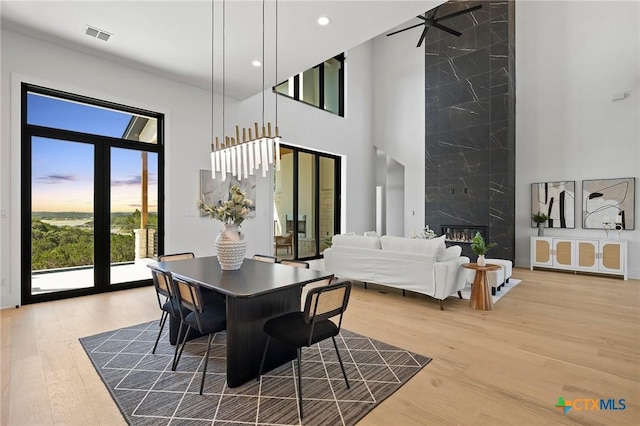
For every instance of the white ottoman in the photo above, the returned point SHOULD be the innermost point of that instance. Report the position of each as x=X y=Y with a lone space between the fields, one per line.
x=496 y=279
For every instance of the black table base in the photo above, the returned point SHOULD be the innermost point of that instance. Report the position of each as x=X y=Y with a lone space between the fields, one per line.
x=245 y=336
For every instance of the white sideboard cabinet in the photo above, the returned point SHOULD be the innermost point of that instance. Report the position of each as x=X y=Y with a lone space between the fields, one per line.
x=580 y=254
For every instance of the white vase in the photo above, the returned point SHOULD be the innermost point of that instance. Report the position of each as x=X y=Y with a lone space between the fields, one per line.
x=540 y=230
x=481 y=260
x=231 y=248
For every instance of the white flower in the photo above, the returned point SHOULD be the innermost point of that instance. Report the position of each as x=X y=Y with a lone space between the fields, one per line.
x=232 y=211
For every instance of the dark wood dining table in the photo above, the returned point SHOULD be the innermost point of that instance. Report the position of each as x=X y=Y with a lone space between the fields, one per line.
x=254 y=293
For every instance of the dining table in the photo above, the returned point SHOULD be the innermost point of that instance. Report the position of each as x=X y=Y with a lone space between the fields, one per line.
x=255 y=293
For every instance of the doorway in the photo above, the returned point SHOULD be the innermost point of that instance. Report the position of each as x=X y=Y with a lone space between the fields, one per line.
x=91 y=178
x=306 y=203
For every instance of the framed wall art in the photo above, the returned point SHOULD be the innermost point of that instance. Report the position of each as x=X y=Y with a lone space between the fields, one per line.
x=608 y=201
x=556 y=200
x=214 y=190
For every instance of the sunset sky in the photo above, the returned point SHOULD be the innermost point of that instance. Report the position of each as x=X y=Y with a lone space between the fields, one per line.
x=63 y=171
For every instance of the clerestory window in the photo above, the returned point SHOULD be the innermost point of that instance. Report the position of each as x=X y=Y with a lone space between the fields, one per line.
x=321 y=86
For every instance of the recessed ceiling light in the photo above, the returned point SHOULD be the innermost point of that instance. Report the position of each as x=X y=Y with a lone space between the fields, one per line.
x=324 y=20
x=256 y=63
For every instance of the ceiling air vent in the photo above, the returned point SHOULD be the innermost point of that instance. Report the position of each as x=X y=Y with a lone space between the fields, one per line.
x=97 y=33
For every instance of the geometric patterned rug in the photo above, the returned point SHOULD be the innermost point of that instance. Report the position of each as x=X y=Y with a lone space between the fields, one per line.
x=147 y=392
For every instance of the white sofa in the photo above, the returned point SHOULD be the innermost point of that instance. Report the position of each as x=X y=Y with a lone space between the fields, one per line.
x=421 y=266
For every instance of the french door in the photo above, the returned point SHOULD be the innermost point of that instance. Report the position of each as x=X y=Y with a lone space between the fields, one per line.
x=306 y=203
x=91 y=179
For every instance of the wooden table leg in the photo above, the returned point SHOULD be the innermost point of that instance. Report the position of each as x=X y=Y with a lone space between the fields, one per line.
x=480 y=294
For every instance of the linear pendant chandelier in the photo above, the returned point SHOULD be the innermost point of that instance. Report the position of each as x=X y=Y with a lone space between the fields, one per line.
x=258 y=146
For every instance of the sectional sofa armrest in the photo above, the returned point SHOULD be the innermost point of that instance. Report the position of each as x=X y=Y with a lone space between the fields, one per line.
x=450 y=277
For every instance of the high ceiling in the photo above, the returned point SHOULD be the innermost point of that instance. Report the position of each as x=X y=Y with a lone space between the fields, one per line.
x=174 y=38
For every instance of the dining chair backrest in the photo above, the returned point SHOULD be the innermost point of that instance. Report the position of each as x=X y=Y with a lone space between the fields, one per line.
x=265 y=258
x=162 y=281
x=162 y=284
x=175 y=256
x=295 y=263
x=188 y=294
x=326 y=302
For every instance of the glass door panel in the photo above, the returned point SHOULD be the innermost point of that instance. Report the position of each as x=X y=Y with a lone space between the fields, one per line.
x=133 y=214
x=327 y=201
x=62 y=215
x=283 y=206
x=305 y=223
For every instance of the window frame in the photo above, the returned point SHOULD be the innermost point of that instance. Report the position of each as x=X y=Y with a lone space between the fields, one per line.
x=321 y=83
x=102 y=174
x=337 y=197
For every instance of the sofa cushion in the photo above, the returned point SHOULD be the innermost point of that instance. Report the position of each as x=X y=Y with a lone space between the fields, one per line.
x=359 y=241
x=450 y=253
x=434 y=247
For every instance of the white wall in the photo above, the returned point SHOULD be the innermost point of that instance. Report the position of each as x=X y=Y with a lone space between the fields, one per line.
x=571 y=58
x=188 y=134
x=398 y=119
x=349 y=137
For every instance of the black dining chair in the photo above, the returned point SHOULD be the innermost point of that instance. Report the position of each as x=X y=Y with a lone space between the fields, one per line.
x=166 y=300
x=164 y=293
x=295 y=263
x=206 y=318
x=312 y=325
x=176 y=256
x=265 y=258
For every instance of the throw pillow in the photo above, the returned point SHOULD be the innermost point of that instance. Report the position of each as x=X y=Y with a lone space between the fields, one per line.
x=450 y=253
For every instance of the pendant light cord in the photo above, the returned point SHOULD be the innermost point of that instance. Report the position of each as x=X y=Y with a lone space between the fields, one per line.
x=276 y=77
x=263 y=65
x=224 y=97
x=213 y=136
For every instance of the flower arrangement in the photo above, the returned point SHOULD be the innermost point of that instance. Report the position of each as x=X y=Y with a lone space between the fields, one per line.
x=426 y=234
x=232 y=211
x=479 y=247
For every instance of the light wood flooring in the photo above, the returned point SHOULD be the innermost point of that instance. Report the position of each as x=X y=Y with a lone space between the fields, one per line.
x=555 y=334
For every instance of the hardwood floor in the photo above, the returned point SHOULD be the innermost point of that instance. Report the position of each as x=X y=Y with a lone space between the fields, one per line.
x=555 y=334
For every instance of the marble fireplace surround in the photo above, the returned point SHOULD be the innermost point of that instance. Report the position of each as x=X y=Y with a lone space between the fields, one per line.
x=470 y=123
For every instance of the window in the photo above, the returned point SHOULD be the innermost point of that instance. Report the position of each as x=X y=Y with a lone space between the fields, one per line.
x=91 y=179
x=321 y=86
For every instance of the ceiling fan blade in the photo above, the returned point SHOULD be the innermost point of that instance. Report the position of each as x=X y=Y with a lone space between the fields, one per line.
x=422 y=37
x=447 y=29
x=433 y=14
x=405 y=29
x=460 y=12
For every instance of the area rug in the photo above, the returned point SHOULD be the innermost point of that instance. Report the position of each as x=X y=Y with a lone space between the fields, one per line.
x=466 y=292
x=147 y=392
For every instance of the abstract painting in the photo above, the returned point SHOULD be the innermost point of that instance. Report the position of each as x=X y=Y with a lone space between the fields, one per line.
x=556 y=200
x=214 y=190
x=608 y=200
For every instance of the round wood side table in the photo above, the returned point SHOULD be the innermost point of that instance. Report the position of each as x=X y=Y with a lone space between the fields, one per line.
x=480 y=293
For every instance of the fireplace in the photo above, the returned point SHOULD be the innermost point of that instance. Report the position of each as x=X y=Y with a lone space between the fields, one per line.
x=462 y=235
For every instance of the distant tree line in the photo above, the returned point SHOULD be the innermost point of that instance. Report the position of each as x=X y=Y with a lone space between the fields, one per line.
x=127 y=223
x=66 y=246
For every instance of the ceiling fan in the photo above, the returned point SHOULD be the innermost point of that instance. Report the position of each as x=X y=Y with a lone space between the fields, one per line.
x=432 y=21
